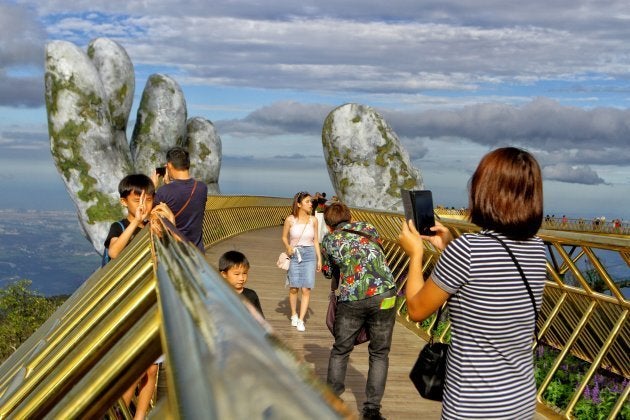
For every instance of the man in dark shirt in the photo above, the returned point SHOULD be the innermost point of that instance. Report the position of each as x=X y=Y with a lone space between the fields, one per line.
x=185 y=196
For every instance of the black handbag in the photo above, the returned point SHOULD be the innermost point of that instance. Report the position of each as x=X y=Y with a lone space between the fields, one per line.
x=429 y=371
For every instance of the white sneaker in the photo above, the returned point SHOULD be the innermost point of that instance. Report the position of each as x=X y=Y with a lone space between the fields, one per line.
x=294 y=320
x=300 y=325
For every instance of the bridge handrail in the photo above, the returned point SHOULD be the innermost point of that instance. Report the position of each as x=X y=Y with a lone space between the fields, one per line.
x=81 y=361
x=575 y=318
x=107 y=333
x=579 y=224
x=227 y=351
x=90 y=328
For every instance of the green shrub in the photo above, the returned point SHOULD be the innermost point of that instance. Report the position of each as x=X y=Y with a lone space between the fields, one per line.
x=599 y=397
x=22 y=311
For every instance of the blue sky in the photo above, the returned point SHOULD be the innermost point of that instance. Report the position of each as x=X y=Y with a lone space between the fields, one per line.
x=453 y=78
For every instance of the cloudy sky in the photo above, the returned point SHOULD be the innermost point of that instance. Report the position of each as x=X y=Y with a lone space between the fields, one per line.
x=453 y=78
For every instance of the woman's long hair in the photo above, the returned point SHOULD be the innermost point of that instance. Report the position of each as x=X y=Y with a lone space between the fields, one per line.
x=297 y=199
x=506 y=193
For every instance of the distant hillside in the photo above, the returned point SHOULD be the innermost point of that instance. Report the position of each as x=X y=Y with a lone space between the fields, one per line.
x=47 y=248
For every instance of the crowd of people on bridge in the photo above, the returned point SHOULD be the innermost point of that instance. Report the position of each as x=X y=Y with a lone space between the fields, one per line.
x=491 y=282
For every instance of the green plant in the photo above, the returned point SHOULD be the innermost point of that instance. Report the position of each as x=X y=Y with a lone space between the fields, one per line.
x=22 y=311
x=599 y=397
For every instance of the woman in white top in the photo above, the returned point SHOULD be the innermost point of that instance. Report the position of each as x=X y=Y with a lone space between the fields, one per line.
x=300 y=238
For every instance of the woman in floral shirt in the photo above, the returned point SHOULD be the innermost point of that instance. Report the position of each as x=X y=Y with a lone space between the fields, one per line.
x=366 y=296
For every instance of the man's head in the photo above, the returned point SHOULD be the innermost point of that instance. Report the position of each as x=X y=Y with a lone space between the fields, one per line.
x=131 y=188
x=336 y=214
x=178 y=158
x=234 y=267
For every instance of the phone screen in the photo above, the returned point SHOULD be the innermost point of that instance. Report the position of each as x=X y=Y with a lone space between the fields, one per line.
x=418 y=205
x=161 y=170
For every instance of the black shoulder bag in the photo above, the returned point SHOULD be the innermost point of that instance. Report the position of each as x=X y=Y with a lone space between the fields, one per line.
x=429 y=371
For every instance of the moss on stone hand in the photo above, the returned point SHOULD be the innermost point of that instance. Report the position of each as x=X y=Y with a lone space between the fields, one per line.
x=105 y=209
x=118 y=120
x=204 y=151
x=356 y=119
x=383 y=151
x=344 y=183
x=68 y=139
x=144 y=124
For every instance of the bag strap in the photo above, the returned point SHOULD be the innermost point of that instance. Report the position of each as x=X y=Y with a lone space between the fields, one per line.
x=365 y=235
x=435 y=324
x=305 y=225
x=187 y=201
x=520 y=270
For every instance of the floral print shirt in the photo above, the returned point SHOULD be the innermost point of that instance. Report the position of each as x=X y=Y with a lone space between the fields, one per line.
x=363 y=270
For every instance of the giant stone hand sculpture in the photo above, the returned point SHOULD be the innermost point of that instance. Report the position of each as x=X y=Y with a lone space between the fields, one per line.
x=366 y=162
x=88 y=101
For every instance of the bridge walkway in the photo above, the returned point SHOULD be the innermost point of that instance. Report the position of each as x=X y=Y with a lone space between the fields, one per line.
x=401 y=401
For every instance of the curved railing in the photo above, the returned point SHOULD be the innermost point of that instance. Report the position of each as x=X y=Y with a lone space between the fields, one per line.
x=595 y=225
x=160 y=294
x=579 y=316
x=103 y=337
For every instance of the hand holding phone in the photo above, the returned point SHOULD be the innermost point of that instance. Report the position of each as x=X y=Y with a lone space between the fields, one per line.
x=418 y=205
x=160 y=170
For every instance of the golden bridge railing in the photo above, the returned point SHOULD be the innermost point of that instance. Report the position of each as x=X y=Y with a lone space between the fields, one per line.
x=79 y=363
x=574 y=318
x=104 y=336
x=595 y=225
x=110 y=322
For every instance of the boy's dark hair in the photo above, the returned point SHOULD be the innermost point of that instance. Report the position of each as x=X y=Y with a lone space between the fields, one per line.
x=232 y=259
x=136 y=183
x=179 y=158
x=337 y=213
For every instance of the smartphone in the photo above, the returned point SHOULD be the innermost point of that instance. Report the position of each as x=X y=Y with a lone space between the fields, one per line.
x=160 y=170
x=418 y=205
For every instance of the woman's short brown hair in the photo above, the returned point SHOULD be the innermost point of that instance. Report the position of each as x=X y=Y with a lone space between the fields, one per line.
x=506 y=193
x=336 y=213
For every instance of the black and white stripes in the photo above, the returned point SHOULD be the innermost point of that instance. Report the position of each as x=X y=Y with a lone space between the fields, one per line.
x=490 y=366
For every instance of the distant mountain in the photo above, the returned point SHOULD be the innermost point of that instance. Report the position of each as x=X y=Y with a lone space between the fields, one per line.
x=46 y=247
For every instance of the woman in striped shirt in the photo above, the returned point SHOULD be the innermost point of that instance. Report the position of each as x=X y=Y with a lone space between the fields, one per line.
x=489 y=370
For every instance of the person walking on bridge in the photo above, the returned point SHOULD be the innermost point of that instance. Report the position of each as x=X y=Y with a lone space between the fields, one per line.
x=367 y=296
x=300 y=238
x=493 y=282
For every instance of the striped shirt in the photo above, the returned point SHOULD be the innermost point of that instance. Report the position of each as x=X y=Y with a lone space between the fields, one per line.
x=490 y=371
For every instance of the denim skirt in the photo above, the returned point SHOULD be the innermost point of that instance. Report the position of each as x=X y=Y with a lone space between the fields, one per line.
x=302 y=274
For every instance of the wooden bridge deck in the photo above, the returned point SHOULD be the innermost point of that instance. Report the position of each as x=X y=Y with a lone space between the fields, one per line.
x=401 y=401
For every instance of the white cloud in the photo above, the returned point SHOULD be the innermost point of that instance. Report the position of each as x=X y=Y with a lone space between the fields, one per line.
x=331 y=46
x=551 y=77
x=572 y=174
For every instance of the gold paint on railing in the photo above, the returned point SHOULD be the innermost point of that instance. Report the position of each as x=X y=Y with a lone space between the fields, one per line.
x=110 y=378
x=574 y=318
x=80 y=354
x=38 y=378
x=34 y=377
x=73 y=311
